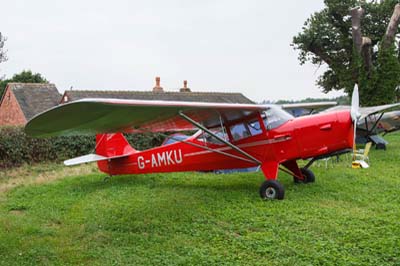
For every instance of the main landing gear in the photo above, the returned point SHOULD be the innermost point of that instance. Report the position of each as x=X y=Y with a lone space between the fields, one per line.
x=308 y=176
x=272 y=189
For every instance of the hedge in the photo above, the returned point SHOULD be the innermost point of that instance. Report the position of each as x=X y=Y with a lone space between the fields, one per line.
x=16 y=148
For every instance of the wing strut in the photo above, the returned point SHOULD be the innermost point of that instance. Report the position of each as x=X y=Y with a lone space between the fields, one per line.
x=209 y=149
x=377 y=121
x=198 y=125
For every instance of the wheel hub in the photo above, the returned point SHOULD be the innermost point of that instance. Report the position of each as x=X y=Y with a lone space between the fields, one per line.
x=270 y=193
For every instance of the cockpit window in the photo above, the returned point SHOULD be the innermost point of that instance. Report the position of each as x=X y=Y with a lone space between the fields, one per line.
x=239 y=131
x=207 y=138
x=254 y=127
x=274 y=117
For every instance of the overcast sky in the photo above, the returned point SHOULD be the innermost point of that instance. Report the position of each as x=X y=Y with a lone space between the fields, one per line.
x=220 y=45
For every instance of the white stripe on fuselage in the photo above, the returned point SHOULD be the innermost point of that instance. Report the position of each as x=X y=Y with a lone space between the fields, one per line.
x=245 y=145
x=165 y=158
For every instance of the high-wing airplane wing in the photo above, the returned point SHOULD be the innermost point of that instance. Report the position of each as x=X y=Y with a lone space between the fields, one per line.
x=310 y=105
x=390 y=122
x=367 y=111
x=300 y=109
x=89 y=116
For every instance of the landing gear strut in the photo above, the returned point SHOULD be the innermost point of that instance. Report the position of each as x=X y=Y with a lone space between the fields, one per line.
x=308 y=175
x=272 y=189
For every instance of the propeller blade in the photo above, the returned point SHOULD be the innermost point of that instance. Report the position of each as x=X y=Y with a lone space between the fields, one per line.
x=355 y=114
x=355 y=104
x=354 y=140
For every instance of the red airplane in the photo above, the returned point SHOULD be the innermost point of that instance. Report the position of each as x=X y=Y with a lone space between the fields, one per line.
x=229 y=136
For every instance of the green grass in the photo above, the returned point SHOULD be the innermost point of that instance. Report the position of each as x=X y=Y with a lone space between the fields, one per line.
x=348 y=217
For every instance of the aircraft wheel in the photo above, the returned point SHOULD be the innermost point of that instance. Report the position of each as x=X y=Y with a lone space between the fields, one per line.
x=272 y=189
x=308 y=175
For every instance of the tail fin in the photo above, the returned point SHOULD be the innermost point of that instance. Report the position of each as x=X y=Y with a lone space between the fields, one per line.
x=110 y=145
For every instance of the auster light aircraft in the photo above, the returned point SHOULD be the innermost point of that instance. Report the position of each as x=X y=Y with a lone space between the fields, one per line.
x=229 y=136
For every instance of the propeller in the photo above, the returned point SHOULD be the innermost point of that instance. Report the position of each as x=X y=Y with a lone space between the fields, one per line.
x=355 y=104
x=355 y=113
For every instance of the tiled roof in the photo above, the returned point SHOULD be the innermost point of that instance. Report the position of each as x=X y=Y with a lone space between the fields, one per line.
x=35 y=98
x=166 y=96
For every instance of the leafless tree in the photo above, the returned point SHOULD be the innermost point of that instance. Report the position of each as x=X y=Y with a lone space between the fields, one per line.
x=363 y=44
x=3 y=56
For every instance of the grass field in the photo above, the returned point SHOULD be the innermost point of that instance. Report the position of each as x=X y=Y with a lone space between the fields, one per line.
x=50 y=215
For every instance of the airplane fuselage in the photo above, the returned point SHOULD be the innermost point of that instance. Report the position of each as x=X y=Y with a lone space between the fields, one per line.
x=299 y=138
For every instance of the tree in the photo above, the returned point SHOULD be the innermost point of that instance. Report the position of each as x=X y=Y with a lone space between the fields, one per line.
x=341 y=100
x=26 y=76
x=358 y=41
x=3 y=56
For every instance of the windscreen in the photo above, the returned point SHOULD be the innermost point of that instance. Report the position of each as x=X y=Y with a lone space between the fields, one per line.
x=275 y=116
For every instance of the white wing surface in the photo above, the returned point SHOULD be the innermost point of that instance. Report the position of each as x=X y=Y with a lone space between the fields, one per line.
x=90 y=116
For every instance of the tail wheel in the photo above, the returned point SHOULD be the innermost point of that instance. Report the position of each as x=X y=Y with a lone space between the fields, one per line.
x=272 y=189
x=308 y=175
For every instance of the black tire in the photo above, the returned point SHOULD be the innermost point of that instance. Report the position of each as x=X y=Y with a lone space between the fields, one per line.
x=272 y=189
x=308 y=175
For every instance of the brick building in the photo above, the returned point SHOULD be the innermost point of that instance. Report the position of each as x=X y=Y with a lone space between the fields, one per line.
x=21 y=101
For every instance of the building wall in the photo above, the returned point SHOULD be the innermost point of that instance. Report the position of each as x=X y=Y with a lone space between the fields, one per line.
x=10 y=111
x=64 y=98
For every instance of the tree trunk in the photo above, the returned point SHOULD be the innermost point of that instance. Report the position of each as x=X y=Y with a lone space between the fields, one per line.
x=391 y=30
x=362 y=44
x=366 y=54
x=398 y=55
x=356 y=14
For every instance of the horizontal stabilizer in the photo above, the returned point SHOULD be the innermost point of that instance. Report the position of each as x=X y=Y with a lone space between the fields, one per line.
x=90 y=158
x=85 y=159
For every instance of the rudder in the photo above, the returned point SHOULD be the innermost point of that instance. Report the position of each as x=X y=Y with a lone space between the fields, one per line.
x=114 y=144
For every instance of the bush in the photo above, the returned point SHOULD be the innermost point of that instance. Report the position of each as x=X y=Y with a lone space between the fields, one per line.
x=16 y=148
x=145 y=141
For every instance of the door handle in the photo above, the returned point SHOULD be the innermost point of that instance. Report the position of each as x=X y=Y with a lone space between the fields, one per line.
x=326 y=127
x=282 y=136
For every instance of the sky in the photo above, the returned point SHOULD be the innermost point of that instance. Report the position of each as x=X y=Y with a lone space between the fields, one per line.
x=220 y=45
